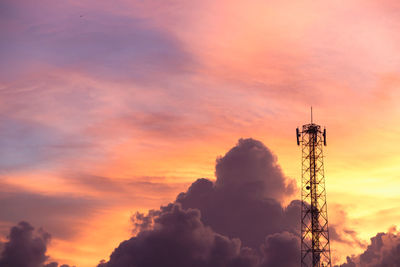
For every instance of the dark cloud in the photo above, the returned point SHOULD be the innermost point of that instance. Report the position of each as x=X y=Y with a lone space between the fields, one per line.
x=179 y=238
x=240 y=215
x=251 y=169
x=383 y=251
x=243 y=202
x=281 y=249
x=26 y=248
x=236 y=221
x=242 y=207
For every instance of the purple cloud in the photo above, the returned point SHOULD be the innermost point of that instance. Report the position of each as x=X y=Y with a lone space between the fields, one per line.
x=26 y=248
x=384 y=250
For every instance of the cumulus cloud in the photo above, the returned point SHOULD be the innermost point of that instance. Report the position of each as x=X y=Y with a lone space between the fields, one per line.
x=383 y=251
x=238 y=220
x=250 y=168
x=243 y=208
x=244 y=200
x=179 y=238
x=26 y=248
x=274 y=255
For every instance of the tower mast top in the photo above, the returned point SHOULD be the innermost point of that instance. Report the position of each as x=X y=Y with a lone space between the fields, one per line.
x=311 y=116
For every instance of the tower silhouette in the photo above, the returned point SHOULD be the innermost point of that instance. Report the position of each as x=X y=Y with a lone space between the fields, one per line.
x=315 y=247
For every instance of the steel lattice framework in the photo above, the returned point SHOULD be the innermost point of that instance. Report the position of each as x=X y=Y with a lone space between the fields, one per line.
x=315 y=247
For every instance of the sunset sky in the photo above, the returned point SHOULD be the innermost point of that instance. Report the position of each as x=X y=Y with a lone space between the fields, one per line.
x=112 y=107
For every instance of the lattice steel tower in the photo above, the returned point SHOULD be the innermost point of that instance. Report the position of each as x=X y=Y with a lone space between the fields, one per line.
x=315 y=247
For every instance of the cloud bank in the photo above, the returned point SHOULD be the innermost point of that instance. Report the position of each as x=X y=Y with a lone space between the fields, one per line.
x=26 y=248
x=383 y=251
x=238 y=220
x=179 y=238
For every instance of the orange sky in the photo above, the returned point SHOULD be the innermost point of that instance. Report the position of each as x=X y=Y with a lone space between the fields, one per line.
x=108 y=109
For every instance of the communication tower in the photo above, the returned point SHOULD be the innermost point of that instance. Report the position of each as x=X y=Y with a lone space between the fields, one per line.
x=315 y=247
